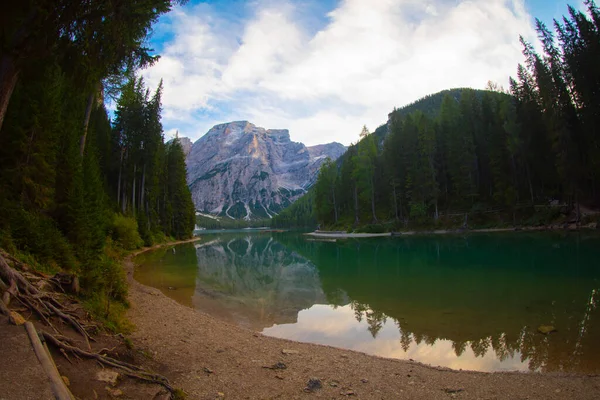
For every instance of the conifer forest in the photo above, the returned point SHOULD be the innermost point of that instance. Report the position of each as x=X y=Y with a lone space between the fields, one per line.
x=79 y=185
x=467 y=152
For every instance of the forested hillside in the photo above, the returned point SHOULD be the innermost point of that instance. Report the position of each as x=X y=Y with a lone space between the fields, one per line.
x=76 y=187
x=466 y=152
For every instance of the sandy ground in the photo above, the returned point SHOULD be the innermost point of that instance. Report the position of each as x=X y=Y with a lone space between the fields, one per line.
x=211 y=359
x=21 y=375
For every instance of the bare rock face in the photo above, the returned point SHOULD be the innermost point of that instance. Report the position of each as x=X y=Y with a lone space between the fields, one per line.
x=239 y=170
x=186 y=145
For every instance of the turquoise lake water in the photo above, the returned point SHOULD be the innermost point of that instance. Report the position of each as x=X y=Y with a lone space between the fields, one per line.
x=464 y=302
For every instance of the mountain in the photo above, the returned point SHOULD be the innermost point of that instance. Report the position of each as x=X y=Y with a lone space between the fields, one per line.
x=186 y=145
x=240 y=170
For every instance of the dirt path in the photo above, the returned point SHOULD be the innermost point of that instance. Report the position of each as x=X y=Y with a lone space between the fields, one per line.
x=211 y=359
x=21 y=375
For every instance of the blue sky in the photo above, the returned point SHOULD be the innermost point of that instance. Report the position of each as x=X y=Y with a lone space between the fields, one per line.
x=325 y=68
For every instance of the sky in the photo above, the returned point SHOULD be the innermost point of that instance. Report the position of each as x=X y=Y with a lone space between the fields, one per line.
x=325 y=68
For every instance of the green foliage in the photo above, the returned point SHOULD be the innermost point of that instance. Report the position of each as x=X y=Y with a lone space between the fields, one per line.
x=77 y=192
x=125 y=231
x=299 y=215
x=179 y=394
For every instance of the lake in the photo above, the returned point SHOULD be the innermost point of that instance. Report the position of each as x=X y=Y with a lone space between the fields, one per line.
x=470 y=302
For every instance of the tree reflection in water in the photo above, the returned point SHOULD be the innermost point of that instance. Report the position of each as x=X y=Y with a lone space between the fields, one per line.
x=482 y=293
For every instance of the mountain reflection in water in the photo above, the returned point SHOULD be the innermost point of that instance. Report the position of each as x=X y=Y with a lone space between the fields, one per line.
x=462 y=302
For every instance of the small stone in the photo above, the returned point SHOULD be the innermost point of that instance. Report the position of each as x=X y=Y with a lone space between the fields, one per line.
x=313 y=384
x=279 y=377
x=557 y=391
x=452 y=391
x=278 y=365
x=108 y=376
x=334 y=383
x=348 y=392
x=344 y=355
x=114 y=392
x=207 y=370
x=546 y=329
x=287 y=351
x=16 y=318
x=364 y=380
x=220 y=395
x=66 y=380
x=220 y=350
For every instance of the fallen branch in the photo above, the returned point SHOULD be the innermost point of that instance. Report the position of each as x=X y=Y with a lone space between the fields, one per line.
x=60 y=390
x=128 y=369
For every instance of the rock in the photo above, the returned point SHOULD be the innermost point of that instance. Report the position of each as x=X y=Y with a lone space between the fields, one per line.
x=66 y=380
x=108 y=376
x=207 y=370
x=334 y=383
x=313 y=384
x=114 y=392
x=286 y=351
x=348 y=392
x=240 y=170
x=279 y=377
x=546 y=329
x=364 y=380
x=220 y=395
x=452 y=391
x=16 y=318
x=278 y=365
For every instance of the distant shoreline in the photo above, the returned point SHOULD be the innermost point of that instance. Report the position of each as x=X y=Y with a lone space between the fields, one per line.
x=549 y=228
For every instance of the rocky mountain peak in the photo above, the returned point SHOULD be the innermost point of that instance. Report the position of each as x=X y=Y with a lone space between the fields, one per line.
x=239 y=170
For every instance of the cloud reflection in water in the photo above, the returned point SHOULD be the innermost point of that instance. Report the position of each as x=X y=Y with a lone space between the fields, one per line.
x=324 y=324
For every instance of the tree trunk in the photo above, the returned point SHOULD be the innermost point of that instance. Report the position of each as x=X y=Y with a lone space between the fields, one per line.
x=335 y=213
x=355 y=205
x=373 y=202
x=9 y=74
x=436 y=210
x=530 y=185
x=141 y=203
x=133 y=189
x=395 y=201
x=86 y=122
x=58 y=386
x=119 y=181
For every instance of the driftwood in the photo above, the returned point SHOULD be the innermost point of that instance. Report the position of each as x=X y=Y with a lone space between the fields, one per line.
x=60 y=390
x=128 y=369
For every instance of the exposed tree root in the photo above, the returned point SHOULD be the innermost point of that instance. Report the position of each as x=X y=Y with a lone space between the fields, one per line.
x=16 y=285
x=44 y=305
x=128 y=369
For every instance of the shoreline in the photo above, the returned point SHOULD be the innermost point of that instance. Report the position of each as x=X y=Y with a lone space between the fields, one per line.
x=210 y=358
x=545 y=228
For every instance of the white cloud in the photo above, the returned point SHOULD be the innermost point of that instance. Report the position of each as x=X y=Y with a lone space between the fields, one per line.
x=369 y=57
